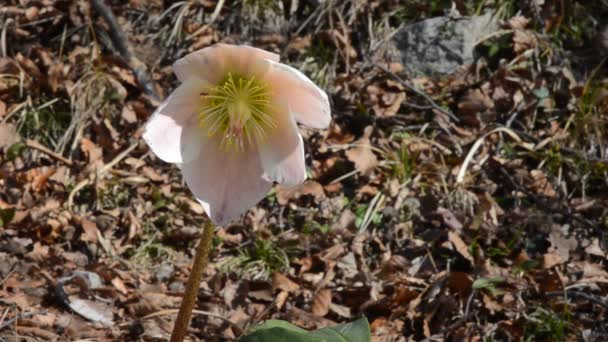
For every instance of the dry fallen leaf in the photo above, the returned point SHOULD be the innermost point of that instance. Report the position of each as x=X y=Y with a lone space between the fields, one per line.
x=8 y=135
x=321 y=302
x=460 y=246
x=361 y=154
x=94 y=152
x=280 y=281
x=287 y=193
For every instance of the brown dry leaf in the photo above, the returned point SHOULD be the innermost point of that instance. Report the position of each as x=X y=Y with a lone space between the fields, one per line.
x=523 y=40
x=298 y=44
x=562 y=245
x=475 y=102
x=280 y=281
x=361 y=154
x=29 y=66
x=460 y=246
x=340 y=310
x=93 y=311
x=491 y=305
x=449 y=219
x=281 y=299
x=45 y=319
x=307 y=320
x=390 y=104
x=594 y=248
x=263 y=295
x=39 y=253
x=194 y=206
x=542 y=184
x=38 y=332
x=336 y=135
x=8 y=135
x=120 y=285
x=346 y=221
x=426 y=328
x=152 y=174
x=592 y=273
x=20 y=299
x=460 y=282
x=321 y=303
x=40 y=180
x=549 y=281
x=91 y=232
x=128 y=114
x=518 y=22
x=31 y=13
x=287 y=193
x=234 y=239
x=94 y=152
x=552 y=259
x=56 y=76
x=125 y=75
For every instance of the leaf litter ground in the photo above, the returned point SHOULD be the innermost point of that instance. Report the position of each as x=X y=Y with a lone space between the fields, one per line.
x=458 y=207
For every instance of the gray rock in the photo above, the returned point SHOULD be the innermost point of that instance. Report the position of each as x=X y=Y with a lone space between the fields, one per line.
x=164 y=272
x=441 y=45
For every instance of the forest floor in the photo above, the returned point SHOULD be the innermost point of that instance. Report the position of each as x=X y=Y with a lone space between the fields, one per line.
x=459 y=207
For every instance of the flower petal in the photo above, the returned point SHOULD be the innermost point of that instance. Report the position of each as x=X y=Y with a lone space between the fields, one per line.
x=211 y=63
x=227 y=183
x=164 y=130
x=309 y=104
x=282 y=153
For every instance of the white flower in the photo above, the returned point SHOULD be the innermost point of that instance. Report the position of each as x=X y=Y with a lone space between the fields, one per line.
x=231 y=125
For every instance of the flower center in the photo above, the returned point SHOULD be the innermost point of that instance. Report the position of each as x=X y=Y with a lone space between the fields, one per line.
x=238 y=109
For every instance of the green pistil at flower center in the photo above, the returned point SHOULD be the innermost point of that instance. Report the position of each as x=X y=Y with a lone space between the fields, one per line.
x=238 y=109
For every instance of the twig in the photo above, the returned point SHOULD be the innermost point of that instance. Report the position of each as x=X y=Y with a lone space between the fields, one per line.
x=120 y=43
x=578 y=294
x=194 y=282
x=563 y=150
x=101 y=171
x=8 y=274
x=196 y=312
x=467 y=312
x=543 y=205
x=419 y=92
x=216 y=11
x=477 y=144
x=38 y=146
x=16 y=318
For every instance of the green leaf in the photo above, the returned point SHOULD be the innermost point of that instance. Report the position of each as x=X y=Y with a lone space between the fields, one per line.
x=357 y=331
x=489 y=284
x=277 y=330
x=6 y=215
x=482 y=283
x=15 y=150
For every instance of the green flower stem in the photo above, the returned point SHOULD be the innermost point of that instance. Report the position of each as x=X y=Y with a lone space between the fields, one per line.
x=194 y=281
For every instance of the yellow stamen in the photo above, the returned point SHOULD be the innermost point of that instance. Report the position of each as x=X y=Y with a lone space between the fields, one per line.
x=238 y=109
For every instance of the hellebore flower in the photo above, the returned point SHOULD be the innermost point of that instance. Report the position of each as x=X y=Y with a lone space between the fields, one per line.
x=231 y=125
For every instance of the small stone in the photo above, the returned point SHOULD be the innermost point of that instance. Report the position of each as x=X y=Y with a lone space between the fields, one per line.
x=440 y=45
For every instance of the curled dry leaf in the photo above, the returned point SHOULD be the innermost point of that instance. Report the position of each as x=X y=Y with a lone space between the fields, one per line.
x=95 y=311
x=287 y=193
x=523 y=40
x=282 y=282
x=321 y=303
x=8 y=135
x=361 y=154
x=460 y=246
